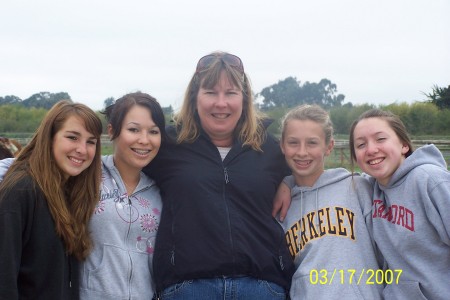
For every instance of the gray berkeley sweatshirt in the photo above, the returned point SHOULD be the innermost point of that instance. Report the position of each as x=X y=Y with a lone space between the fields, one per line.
x=327 y=235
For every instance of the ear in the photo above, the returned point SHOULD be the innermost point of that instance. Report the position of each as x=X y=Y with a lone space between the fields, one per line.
x=405 y=149
x=329 y=147
x=110 y=131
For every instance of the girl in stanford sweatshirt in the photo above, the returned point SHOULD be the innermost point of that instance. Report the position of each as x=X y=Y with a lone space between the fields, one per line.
x=411 y=205
x=325 y=226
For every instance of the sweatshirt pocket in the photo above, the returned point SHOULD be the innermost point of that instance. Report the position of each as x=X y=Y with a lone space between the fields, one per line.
x=404 y=290
x=113 y=268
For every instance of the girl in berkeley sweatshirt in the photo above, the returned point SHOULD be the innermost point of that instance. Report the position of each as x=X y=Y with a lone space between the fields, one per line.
x=411 y=205
x=325 y=226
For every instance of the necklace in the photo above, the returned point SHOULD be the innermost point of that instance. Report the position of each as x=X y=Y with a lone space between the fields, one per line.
x=130 y=188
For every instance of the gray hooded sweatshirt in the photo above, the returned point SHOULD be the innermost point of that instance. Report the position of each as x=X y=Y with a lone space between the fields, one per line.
x=411 y=219
x=328 y=238
x=123 y=230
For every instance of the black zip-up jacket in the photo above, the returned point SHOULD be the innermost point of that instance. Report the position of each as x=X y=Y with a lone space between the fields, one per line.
x=216 y=219
x=33 y=259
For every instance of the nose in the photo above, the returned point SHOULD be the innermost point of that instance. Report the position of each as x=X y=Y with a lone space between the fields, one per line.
x=371 y=148
x=301 y=151
x=221 y=101
x=81 y=149
x=143 y=138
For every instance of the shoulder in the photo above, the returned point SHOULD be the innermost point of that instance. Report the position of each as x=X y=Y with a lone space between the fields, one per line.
x=430 y=172
x=24 y=183
x=21 y=193
x=271 y=142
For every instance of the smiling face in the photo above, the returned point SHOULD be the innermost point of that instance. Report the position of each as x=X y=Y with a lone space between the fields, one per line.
x=138 y=142
x=220 y=109
x=378 y=150
x=305 y=149
x=73 y=147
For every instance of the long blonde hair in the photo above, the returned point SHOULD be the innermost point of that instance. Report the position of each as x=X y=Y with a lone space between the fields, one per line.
x=249 y=130
x=71 y=202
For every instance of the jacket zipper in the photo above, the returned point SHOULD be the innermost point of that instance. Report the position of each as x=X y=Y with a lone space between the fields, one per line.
x=226 y=175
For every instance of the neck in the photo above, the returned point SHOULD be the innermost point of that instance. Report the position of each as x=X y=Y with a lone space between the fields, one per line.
x=225 y=142
x=130 y=176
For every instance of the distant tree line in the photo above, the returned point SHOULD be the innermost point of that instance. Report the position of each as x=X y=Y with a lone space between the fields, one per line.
x=429 y=117
x=39 y=100
x=17 y=115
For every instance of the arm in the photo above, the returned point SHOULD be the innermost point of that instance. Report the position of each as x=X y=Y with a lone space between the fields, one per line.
x=439 y=211
x=11 y=241
x=282 y=199
x=4 y=165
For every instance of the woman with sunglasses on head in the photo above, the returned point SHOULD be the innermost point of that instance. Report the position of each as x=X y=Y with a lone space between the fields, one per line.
x=217 y=238
x=46 y=200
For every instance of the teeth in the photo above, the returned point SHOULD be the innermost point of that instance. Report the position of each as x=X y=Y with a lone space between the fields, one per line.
x=302 y=163
x=78 y=161
x=141 y=152
x=221 y=116
x=375 y=161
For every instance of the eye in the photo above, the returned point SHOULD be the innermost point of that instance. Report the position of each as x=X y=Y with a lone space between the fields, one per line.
x=72 y=137
x=133 y=129
x=380 y=139
x=360 y=145
x=154 y=131
x=92 y=142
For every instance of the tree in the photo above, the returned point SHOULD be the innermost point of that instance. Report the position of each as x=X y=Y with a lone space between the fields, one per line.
x=167 y=110
x=108 y=101
x=440 y=97
x=10 y=100
x=322 y=93
x=45 y=99
x=289 y=93
x=282 y=94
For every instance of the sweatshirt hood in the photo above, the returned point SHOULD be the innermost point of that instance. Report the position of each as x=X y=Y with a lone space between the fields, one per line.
x=328 y=177
x=425 y=155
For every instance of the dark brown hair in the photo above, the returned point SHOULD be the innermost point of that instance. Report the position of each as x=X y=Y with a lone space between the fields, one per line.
x=116 y=112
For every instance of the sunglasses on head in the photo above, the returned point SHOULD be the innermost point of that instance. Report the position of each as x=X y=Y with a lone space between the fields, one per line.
x=227 y=58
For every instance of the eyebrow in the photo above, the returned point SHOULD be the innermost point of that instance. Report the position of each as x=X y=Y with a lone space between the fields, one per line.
x=139 y=124
x=79 y=134
x=73 y=132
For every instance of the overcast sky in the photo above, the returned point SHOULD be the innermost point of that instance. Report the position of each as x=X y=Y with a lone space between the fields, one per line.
x=374 y=51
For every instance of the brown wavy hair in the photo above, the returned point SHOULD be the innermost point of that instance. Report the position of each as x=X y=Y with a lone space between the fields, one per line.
x=249 y=129
x=72 y=201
